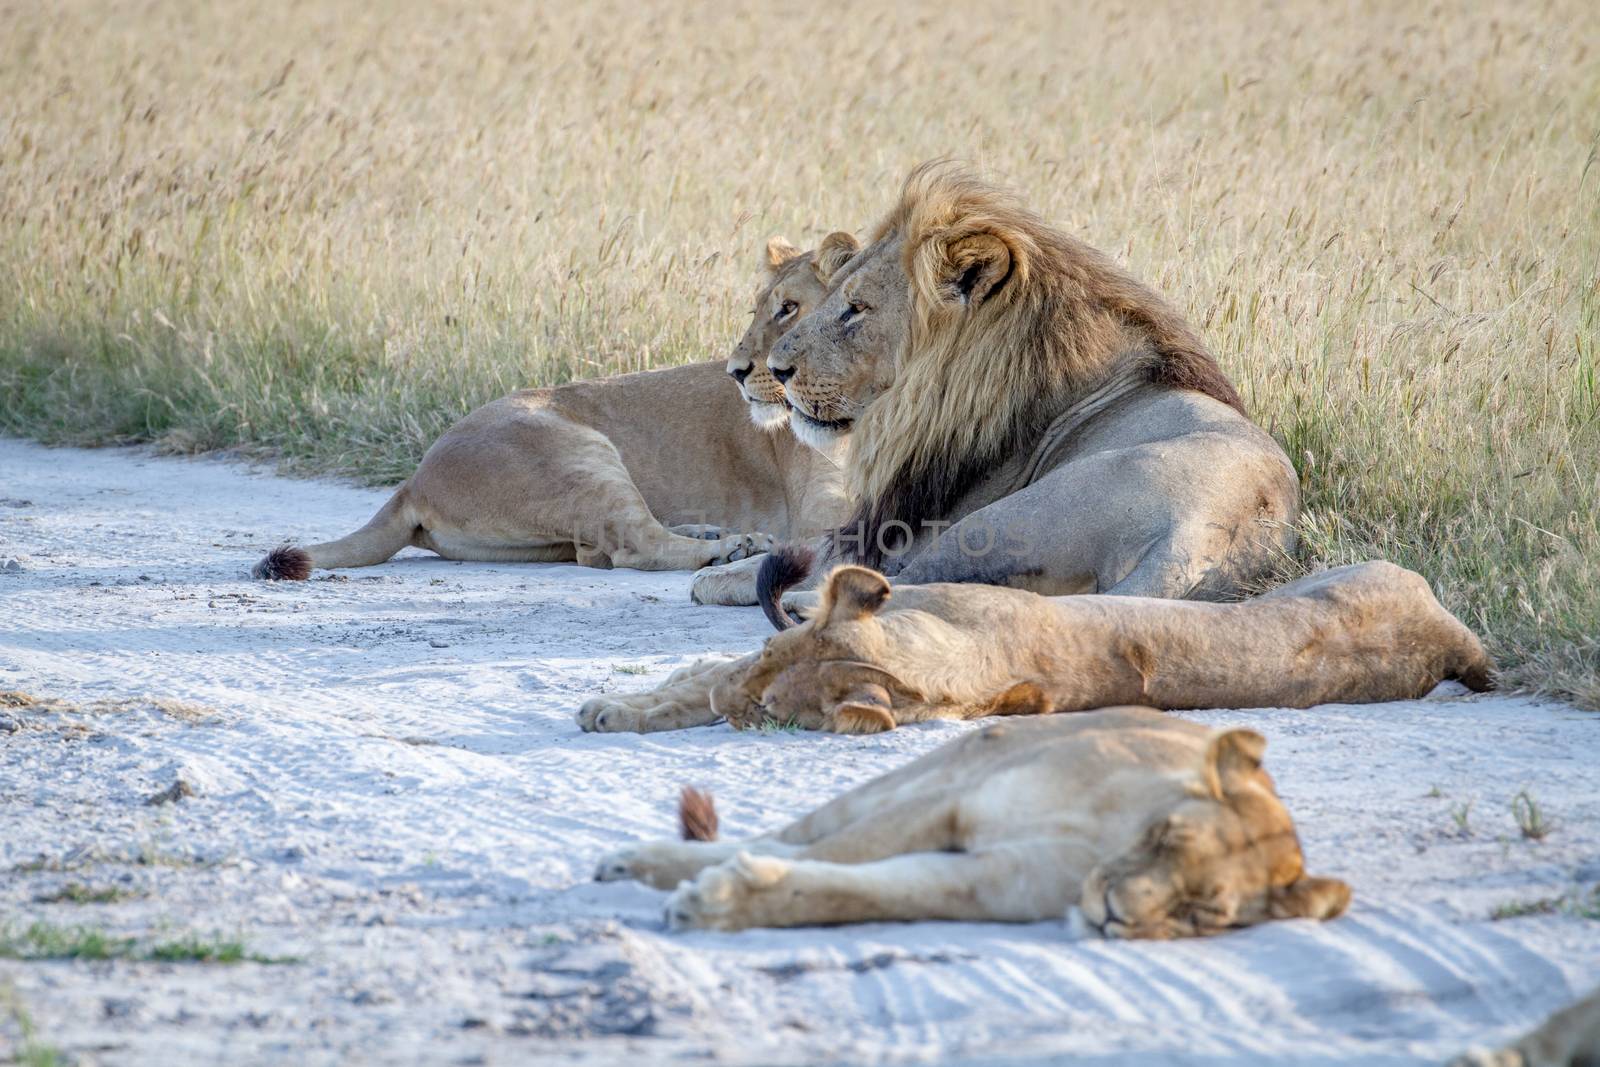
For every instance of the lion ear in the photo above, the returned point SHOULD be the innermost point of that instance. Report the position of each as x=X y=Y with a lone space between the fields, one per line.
x=1232 y=759
x=852 y=593
x=836 y=249
x=866 y=709
x=779 y=252
x=973 y=268
x=1310 y=898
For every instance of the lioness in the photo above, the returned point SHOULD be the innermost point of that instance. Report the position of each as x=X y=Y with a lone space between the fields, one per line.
x=865 y=661
x=1023 y=412
x=1153 y=827
x=653 y=471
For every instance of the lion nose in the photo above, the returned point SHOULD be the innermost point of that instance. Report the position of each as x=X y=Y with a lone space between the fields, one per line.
x=783 y=374
x=740 y=375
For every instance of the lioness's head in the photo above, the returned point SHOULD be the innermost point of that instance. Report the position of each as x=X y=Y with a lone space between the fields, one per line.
x=796 y=283
x=1227 y=856
x=826 y=672
x=836 y=670
x=839 y=358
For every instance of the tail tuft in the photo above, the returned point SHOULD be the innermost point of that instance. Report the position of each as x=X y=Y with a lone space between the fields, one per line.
x=697 y=815
x=284 y=564
x=781 y=571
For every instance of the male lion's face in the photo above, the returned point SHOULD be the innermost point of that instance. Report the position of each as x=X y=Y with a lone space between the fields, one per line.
x=841 y=356
x=793 y=289
x=1225 y=859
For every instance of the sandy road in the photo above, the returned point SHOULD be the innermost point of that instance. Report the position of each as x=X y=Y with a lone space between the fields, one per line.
x=389 y=788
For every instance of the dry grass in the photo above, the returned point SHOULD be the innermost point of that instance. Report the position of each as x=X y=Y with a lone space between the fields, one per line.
x=326 y=230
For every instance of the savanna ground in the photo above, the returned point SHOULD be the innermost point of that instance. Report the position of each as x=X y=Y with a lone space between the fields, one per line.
x=324 y=231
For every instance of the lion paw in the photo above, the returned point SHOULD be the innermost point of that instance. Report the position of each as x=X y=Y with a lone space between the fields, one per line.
x=652 y=864
x=801 y=602
x=607 y=715
x=659 y=864
x=618 y=867
x=727 y=584
x=745 y=891
x=745 y=546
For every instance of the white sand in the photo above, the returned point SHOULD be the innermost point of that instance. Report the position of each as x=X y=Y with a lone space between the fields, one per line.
x=391 y=787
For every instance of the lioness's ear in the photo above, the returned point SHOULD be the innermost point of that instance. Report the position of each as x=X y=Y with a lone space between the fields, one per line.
x=973 y=268
x=835 y=251
x=1310 y=898
x=1232 y=759
x=852 y=593
x=779 y=252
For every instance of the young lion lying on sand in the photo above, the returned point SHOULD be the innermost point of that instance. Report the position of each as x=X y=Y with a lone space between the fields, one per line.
x=661 y=470
x=864 y=662
x=1154 y=827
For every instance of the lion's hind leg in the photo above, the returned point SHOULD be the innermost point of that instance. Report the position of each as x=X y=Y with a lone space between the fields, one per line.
x=540 y=485
x=663 y=864
x=1020 y=883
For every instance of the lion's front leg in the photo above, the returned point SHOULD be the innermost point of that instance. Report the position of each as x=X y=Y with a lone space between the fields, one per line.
x=682 y=701
x=753 y=891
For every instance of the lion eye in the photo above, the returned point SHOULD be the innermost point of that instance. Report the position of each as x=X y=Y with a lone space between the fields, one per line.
x=856 y=308
x=788 y=308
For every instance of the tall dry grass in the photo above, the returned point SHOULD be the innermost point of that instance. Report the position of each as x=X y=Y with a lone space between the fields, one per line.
x=326 y=230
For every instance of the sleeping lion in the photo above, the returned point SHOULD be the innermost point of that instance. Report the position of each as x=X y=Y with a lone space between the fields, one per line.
x=1153 y=827
x=672 y=469
x=870 y=657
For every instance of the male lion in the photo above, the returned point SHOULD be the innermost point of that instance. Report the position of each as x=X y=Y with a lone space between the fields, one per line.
x=650 y=471
x=1153 y=827
x=1023 y=412
x=866 y=662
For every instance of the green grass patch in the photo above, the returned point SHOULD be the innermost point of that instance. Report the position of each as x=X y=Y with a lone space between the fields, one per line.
x=1581 y=904
x=1518 y=909
x=78 y=893
x=46 y=941
x=31 y=1051
x=773 y=726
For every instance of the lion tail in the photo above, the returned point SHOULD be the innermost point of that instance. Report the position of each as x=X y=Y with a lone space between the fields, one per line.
x=285 y=563
x=390 y=530
x=781 y=571
x=697 y=815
